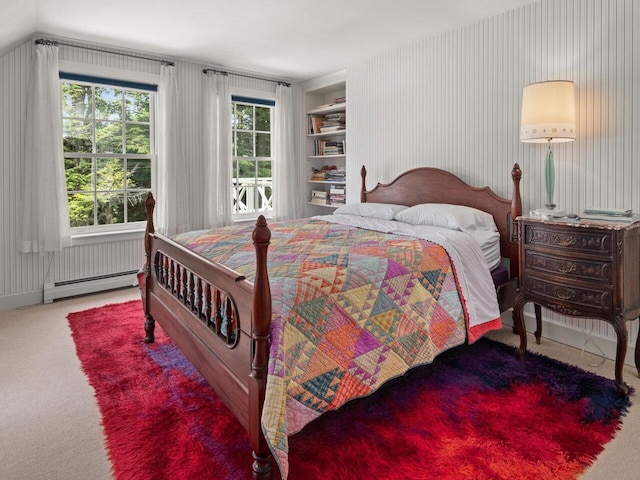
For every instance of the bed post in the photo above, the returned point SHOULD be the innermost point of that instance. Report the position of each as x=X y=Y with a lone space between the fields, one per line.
x=516 y=211
x=514 y=259
x=149 y=323
x=363 y=175
x=260 y=335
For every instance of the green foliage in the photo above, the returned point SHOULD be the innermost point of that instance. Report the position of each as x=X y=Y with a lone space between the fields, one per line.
x=101 y=125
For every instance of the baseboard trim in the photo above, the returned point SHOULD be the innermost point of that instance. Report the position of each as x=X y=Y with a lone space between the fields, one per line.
x=19 y=300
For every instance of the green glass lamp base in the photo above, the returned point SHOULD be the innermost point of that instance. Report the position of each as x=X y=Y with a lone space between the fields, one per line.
x=549 y=178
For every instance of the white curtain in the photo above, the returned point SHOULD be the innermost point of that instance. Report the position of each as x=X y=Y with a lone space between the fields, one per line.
x=217 y=134
x=172 y=186
x=286 y=178
x=44 y=211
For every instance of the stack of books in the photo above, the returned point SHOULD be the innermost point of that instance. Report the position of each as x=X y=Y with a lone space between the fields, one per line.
x=337 y=195
x=616 y=215
x=337 y=175
x=333 y=122
x=327 y=147
x=319 y=197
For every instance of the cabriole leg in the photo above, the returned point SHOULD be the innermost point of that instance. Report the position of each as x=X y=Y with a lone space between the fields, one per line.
x=519 y=325
x=622 y=333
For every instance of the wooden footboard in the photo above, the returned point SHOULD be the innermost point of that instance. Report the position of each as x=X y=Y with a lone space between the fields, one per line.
x=219 y=320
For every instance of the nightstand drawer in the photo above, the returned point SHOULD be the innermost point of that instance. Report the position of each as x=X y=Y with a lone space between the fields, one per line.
x=569 y=240
x=596 y=298
x=571 y=268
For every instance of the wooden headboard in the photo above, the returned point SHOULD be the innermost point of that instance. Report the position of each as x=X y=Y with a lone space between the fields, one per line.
x=433 y=185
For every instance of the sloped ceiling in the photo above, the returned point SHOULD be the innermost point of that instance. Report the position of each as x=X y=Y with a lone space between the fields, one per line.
x=294 y=39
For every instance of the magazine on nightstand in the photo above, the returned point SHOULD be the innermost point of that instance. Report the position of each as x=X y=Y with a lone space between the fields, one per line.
x=633 y=218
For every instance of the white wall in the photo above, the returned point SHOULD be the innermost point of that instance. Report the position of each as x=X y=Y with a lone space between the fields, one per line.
x=453 y=101
x=22 y=276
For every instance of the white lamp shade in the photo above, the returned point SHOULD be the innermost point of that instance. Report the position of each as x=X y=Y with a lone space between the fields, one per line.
x=548 y=112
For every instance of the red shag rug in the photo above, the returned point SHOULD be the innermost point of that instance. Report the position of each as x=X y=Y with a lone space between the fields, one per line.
x=476 y=413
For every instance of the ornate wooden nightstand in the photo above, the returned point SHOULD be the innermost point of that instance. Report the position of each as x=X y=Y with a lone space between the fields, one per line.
x=587 y=269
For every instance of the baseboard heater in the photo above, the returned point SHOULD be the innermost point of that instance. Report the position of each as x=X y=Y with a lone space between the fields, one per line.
x=83 y=286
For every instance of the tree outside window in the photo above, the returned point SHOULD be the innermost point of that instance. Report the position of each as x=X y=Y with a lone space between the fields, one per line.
x=108 y=152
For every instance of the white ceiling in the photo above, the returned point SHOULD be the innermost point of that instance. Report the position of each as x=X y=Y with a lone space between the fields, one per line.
x=293 y=39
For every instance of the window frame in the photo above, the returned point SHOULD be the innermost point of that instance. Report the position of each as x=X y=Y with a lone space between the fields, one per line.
x=261 y=99
x=113 y=78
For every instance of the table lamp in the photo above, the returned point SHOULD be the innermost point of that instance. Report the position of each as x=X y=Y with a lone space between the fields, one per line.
x=548 y=116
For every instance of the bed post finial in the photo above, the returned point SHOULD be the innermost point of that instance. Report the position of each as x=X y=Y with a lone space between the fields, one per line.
x=260 y=336
x=150 y=205
x=363 y=175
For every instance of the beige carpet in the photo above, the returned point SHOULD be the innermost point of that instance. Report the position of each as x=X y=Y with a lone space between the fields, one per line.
x=50 y=424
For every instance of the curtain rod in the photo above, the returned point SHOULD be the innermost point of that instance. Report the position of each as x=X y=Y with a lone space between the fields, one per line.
x=42 y=41
x=222 y=72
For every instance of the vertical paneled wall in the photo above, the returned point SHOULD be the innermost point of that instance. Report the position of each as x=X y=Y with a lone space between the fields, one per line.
x=22 y=276
x=16 y=271
x=453 y=101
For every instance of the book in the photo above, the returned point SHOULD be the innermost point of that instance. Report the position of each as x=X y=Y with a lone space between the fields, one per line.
x=611 y=218
x=327 y=147
x=336 y=117
x=337 y=195
x=336 y=175
x=319 y=194
x=331 y=128
x=315 y=123
x=614 y=212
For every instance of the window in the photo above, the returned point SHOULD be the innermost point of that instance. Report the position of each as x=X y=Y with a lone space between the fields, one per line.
x=251 y=150
x=108 y=148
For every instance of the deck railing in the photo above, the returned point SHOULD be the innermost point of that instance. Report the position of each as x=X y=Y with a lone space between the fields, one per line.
x=250 y=196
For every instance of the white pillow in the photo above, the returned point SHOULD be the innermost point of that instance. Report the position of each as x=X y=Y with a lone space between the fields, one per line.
x=454 y=217
x=381 y=211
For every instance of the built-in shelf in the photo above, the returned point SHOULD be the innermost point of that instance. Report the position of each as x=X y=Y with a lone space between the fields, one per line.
x=324 y=110
x=335 y=133
x=315 y=157
x=326 y=182
x=319 y=102
x=328 y=205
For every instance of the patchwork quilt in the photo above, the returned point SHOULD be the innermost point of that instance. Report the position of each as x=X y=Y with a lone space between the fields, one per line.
x=352 y=308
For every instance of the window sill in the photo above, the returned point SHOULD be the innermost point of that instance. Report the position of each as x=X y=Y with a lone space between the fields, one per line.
x=248 y=218
x=81 y=239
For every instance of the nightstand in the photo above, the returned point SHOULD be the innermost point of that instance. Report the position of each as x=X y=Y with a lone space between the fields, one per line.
x=582 y=269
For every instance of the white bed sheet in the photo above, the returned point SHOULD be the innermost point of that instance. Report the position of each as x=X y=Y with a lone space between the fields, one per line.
x=489 y=246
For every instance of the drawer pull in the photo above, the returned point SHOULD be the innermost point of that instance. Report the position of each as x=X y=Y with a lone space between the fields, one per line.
x=563 y=293
x=564 y=241
x=566 y=267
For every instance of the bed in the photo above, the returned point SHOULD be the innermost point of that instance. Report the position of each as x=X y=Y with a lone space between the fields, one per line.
x=228 y=324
